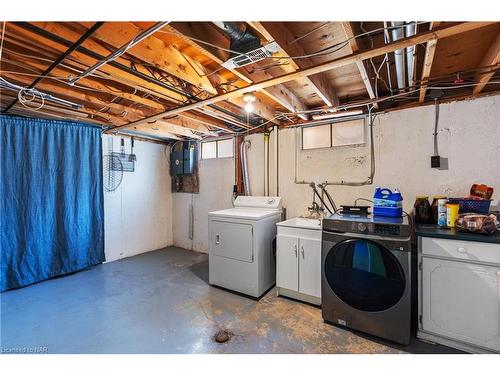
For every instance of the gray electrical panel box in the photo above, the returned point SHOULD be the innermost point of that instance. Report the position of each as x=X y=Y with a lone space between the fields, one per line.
x=189 y=158
x=177 y=162
x=184 y=158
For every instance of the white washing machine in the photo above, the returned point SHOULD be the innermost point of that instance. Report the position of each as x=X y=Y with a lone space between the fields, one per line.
x=241 y=256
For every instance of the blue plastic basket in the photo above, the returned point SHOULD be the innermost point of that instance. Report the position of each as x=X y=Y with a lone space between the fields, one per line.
x=478 y=206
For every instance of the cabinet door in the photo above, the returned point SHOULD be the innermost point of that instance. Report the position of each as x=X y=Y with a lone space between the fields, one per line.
x=287 y=265
x=232 y=240
x=310 y=267
x=461 y=301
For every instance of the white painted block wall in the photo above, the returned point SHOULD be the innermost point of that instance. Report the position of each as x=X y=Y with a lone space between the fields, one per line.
x=469 y=136
x=216 y=188
x=138 y=215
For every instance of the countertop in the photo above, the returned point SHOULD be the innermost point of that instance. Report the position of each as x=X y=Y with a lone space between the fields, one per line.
x=300 y=222
x=453 y=234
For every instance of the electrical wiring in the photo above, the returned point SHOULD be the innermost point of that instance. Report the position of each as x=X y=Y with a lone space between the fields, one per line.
x=95 y=74
x=269 y=66
x=391 y=97
x=322 y=52
x=58 y=79
x=308 y=33
x=28 y=95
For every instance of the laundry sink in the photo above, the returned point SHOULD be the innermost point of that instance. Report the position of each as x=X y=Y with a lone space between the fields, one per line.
x=302 y=222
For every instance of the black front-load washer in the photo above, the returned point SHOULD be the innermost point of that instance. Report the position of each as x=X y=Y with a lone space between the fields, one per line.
x=366 y=275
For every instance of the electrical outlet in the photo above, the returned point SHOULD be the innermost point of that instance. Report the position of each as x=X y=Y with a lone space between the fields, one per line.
x=435 y=161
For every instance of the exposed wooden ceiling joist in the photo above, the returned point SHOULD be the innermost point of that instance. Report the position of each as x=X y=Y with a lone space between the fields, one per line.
x=442 y=32
x=491 y=58
x=349 y=33
x=278 y=32
x=430 y=50
x=202 y=31
x=110 y=70
x=155 y=52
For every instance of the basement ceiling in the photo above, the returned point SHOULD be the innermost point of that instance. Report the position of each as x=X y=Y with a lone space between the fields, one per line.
x=172 y=85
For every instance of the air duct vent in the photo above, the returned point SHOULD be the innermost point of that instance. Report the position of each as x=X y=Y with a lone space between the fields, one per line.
x=252 y=56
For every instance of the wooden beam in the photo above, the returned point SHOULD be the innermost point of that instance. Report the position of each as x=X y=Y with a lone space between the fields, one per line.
x=332 y=64
x=278 y=32
x=164 y=126
x=163 y=135
x=430 y=50
x=154 y=51
x=90 y=83
x=206 y=121
x=190 y=124
x=279 y=94
x=492 y=57
x=109 y=71
x=349 y=33
x=85 y=98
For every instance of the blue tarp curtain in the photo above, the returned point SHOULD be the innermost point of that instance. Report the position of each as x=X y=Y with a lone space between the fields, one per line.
x=51 y=199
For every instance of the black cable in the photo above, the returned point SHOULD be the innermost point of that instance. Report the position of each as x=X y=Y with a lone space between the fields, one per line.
x=71 y=48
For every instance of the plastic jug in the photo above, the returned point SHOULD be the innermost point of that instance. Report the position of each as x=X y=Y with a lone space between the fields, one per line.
x=387 y=202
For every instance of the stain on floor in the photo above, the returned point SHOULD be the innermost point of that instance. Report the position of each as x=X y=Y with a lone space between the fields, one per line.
x=160 y=302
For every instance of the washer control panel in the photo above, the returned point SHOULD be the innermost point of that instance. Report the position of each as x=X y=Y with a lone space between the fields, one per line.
x=383 y=227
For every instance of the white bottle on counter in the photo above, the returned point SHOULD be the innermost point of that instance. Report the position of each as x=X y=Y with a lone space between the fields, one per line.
x=441 y=219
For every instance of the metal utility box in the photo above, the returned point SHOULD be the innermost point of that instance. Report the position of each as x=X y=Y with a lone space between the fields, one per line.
x=177 y=162
x=190 y=157
x=183 y=159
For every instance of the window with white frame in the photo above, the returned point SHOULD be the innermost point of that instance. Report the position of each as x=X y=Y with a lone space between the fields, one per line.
x=347 y=133
x=223 y=148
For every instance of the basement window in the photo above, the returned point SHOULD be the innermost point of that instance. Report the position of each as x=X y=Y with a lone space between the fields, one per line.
x=223 y=148
x=316 y=137
x=347 y=133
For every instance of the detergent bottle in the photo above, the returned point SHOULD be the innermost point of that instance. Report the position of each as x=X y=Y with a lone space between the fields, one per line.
x=387 y=202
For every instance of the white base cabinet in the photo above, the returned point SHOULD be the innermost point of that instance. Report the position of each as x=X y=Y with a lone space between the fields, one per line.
x=459 y=299
x=298 y=263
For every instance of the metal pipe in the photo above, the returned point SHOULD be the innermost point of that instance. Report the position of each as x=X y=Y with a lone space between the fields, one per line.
x=266 y=163
x=369 y=180
x=96 y=56
x=330 y=199
x=295 y=180
x=244 y=166
x=43 y=96
x=323 y=204
x=235 y=30
x=398 y=33
x=277 y=160
x=139 y=38
x=329 y=121
x=387 y=39
x=411 y=29
x=191 y=221
x=56 y=62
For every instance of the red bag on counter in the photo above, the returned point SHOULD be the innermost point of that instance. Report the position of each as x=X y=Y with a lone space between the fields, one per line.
x=481 y=191
x=477 y=223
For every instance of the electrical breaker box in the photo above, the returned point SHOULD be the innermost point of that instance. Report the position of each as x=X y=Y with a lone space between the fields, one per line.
x=183 y=159
x=177 y=162
x=189 y=158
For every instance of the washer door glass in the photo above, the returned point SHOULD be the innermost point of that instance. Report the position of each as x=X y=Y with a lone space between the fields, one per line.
x=365 y=275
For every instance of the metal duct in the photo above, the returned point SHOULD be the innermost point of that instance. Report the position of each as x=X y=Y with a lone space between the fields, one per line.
x=411 y=29
x=399 y=55
x=243 y=38
x=244 y=167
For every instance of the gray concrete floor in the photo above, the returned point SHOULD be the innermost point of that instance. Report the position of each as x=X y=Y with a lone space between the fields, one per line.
x=160 y=302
